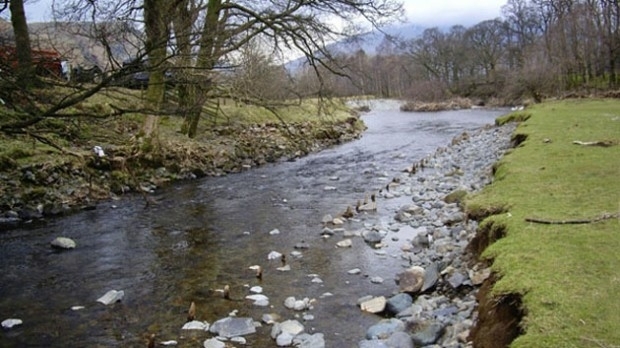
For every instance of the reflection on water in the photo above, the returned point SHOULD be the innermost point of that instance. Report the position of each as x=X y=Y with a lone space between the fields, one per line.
x=205 y=234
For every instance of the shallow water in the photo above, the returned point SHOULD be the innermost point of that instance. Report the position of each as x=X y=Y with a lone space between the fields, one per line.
x=205 y=234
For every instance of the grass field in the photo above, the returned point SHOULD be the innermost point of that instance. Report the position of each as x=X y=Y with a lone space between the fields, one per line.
x=567 y=274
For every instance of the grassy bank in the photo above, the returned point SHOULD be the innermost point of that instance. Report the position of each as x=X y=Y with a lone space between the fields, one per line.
x=565 y=275
x=51 y=177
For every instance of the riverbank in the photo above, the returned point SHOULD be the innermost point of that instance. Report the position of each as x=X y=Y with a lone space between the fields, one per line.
x=549 y=231
x=434 y=300
x=38 y=180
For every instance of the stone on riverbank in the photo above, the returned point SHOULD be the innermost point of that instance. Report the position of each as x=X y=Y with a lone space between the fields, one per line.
x=385 y=328
x=374 y=305
x=411 y=280
x=398 y=303
x=427 y=333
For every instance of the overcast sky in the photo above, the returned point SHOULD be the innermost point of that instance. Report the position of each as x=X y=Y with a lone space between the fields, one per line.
x=432 y=13
x=426 y=13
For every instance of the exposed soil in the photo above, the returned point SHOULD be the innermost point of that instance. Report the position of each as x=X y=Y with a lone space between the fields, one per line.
x=498 y=318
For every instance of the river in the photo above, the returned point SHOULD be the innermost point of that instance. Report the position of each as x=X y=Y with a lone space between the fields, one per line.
x=204 y=234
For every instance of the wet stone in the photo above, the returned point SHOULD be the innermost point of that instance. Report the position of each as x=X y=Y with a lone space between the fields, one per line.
x=305 y=340
x=398 y=303
x=372 y=236
x=111 y=296
x=302 y=245
x=374 y=305
x=456 y=280
x=196 y=325
x=10 y=323
x=411 y=280
x=63 y=243
x=400 y=340
x=427 y=333
x=385 y=328
x=431 y=276
x=373 y=344
x=232 y=326
x=213 y=343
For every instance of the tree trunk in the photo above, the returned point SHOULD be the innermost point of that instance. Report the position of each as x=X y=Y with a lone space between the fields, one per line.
x=156 y=39
x=25 y=69
x=207 y=56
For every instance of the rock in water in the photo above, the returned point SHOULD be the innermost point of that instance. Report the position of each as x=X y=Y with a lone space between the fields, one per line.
x=305 y=340
x=10 y=323
x=231 y=327
x=259 y=300
x=213 y=343
x=63 y=243
x=111 y=296
x=196 y=325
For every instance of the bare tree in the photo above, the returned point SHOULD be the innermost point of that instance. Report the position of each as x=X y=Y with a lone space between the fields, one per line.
x=289 y=25
x=25 y=68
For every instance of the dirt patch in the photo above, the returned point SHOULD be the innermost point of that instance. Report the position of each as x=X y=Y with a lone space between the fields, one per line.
x=499 y=318
x=517 y=139
x=487 y=234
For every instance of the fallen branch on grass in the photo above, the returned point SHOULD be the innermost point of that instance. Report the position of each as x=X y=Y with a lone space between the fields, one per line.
x=599 y=343
x=603 y=143
x=602 y=217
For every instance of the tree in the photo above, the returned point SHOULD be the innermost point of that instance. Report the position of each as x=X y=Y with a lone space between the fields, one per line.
x=224 y=27
x=487 y=42
x=157 y=32
x=25 y=75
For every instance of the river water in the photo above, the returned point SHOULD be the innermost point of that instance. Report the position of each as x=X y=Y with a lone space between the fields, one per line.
x=205 y=234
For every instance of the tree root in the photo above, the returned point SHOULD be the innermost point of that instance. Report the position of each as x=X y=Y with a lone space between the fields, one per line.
x=605 y=216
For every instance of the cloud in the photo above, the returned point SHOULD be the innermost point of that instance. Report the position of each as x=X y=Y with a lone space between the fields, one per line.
x=438 y=13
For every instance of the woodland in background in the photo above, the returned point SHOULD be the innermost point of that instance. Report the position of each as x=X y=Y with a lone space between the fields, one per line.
x=196 y=53
x=538 y=49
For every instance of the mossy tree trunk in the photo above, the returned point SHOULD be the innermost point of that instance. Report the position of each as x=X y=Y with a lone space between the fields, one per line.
x=156 y=40
x=25 y=68
x=210 y=43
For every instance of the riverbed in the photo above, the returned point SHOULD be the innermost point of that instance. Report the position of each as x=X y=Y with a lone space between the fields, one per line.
x=205 y=234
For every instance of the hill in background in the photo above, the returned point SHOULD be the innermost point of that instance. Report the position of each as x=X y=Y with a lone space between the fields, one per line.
x=80 y=43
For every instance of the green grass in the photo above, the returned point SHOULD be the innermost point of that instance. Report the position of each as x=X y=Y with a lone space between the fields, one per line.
x=568 y=275
x=81 y=133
